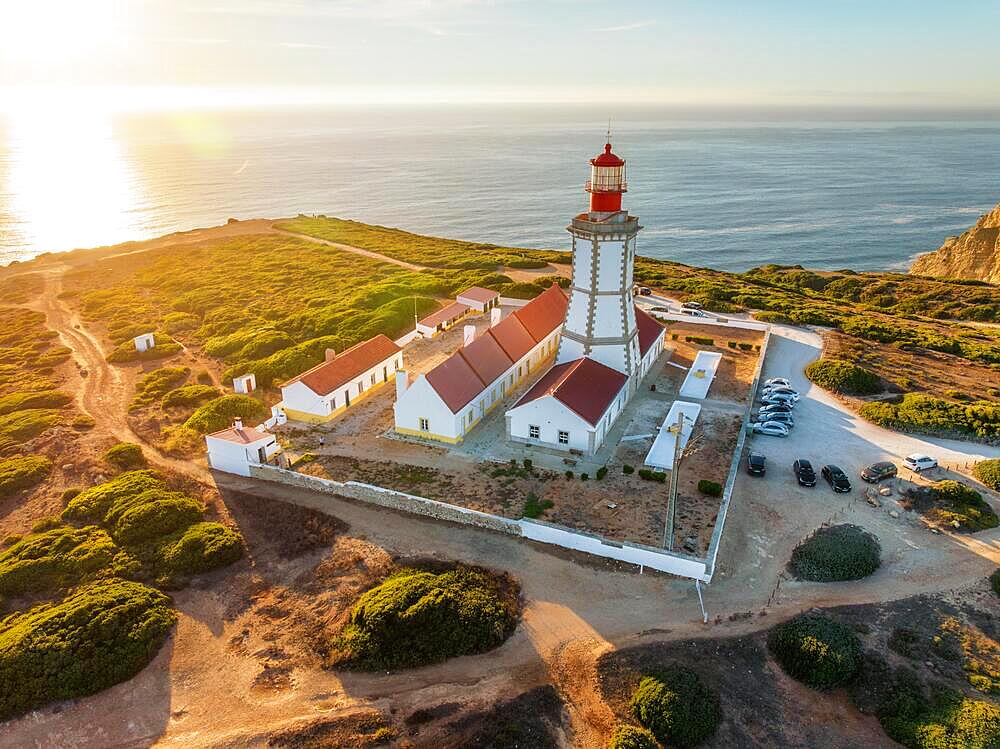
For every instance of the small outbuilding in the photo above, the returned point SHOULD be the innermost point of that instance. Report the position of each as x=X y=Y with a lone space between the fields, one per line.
x=442 y=320
x=144 y=342
x=236 y=448
x=245 y=383
x=321 y=393
x=479 y=299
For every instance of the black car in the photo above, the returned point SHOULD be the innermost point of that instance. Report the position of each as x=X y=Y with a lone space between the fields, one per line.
x=756 y=464
x=878 y=472
x=837 y=479
x=804 y=472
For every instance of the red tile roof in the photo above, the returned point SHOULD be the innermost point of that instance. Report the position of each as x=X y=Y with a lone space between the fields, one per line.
x=649 y=329
x=446 y=314
x=584 y=386
x=544 y=313
x=327 y=376
x=513 y=337
x=486 y=357
x=243 y=436
x=479 y=294
x=456 y=382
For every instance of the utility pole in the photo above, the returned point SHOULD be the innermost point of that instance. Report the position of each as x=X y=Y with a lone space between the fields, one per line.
x=668 y=523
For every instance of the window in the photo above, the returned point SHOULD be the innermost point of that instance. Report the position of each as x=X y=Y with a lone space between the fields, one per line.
x=533 y=431
x=563 y=437
x=373 y=378
x=425 y=425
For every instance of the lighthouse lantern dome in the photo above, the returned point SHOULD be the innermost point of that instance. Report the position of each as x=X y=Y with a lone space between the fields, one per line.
x=607 y=181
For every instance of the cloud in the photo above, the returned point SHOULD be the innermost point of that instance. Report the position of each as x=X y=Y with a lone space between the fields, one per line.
x=629 y=26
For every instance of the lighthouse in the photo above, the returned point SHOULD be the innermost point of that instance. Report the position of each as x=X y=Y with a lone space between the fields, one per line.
x=600 y=319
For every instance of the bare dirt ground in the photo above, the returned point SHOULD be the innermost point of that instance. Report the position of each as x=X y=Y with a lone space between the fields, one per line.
x=244 y=665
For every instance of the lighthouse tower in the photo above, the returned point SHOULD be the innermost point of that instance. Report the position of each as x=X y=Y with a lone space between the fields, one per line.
x=600 y=319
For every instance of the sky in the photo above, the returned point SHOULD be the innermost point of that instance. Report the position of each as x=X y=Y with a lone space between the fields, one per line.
x=691 y=52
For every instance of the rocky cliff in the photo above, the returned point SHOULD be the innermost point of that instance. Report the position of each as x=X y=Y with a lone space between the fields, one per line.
x=973 y=254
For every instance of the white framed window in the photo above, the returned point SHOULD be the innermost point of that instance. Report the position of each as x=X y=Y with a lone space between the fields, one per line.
x=563 y=437
x=373 y=378
x=425 y=424
x=534 y=431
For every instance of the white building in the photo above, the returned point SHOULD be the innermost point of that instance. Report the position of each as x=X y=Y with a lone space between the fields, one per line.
x=442 y=320
x=144 y=342
x=479 y=299
x=330 y=388
x=607 y=346
x=245 y=383
x=234 y=449
x=448 y=401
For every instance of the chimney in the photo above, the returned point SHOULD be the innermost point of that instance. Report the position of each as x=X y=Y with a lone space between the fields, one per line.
x=330 y=355
x=470 y=334
x=494 y=316
x=238 y=424
x=402 y=382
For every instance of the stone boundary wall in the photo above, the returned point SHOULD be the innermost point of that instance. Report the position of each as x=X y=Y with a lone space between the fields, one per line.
x=734 y=466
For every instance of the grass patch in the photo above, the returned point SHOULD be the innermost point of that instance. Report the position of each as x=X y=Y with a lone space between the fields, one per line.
x=125 y=456
x=926 y=414
x=535 y=507
x=189 y=395
x=153 y=386
x=219 y=413
x=816 y=650
x=20 y=401
x=22 y=472
x=839 y=552
x=99 y=635
x=417 y=617
x=844 y=377
x=677 y=707
x=20 y=426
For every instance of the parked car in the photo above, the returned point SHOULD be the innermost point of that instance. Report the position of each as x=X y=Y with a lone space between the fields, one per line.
x=777 y=382
x=767 y=392
x=918 y=462
x=781 y=418
x=691 y=305
x=645 y=291
x=804 y=472
x=771 y=428
x=756 y=464
x=693 y=312
x=659 y=309
x=836 y=478
x=777 y=399
x=776 y=408
x=878 y=472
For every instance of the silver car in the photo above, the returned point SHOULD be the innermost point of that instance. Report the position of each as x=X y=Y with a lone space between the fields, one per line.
x=771 y=428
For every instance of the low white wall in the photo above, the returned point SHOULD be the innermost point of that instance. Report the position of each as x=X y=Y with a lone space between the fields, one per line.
x=506 y=301
x=706 y=362
x=722 y=321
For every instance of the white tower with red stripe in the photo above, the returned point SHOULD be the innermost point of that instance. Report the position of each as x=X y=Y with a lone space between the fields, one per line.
x=600 y=320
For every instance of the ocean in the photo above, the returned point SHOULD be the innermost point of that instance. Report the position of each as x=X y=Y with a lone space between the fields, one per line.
x=728 y=193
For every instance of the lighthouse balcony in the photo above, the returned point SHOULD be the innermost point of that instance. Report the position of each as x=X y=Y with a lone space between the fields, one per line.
x=609 y=224
x=606 y=186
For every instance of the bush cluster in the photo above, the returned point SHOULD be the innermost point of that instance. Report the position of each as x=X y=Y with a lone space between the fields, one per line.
x=816 y=650
x=926 y=414
x=995 y=581
x=21 y=401
x=126 y=352
x=20 y=426
x=22 y=472
x=988 y=471
x=219 y=413
x=711 y=488
x=153 y=386
x=189 y=395
x=648 y=475
x=417 y=617
x=676 y=707
x=99 y=635
x=961 y=506
x=844 y=377
x=700 y=340
x=632 y=737
x=535 y=507
x=839 y=552
x=125 y=456
x=198 y=548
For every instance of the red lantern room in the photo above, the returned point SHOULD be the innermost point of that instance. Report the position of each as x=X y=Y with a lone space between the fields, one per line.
x=607 y=182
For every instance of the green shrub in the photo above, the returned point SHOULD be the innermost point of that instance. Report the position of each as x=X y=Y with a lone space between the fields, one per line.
x=535 y=508
x=156 y=518
x=126 y=352
x=711 y=488
x=816 y=650
x=601 y=472
x=527 y=464
x=995 y=581
x=199 y=548
x=676 y=707
x=961 y=506
x=181 y=441
x=944 y=720
x=842 y=376
x=59 y=557
x=777 y=318
x=700 y=340
x=125 y=456
x=569 y=475
x=584 y=477
x=100 y=635
x=189 y=395
x=22 y=472
x=648 y=475
x=839 y=552
x=418 y=617
x=988 y=471
x=91 y=505
x=747 y=347
x=219 y=413
x=627 y=469
x=926 y=414
x=632 y=737
x=158 y=383
x=180 y=322
x=43 y=399
x=20 y=426
x=731 y=344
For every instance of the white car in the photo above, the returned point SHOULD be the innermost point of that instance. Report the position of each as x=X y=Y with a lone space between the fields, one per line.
x=780 y=390
x=693 y=312
x=772 y=428
x=919 y=462
x=769 y=399
x=777 y=382
x=778 y=416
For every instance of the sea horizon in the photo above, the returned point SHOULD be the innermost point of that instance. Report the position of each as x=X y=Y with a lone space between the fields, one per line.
x=728 y=193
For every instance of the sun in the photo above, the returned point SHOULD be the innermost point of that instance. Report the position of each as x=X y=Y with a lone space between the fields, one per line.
x=42 y=32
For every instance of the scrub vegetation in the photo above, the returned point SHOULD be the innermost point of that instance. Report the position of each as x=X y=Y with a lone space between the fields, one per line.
x=419 y=616
x=219 y=413
x=22 y=472
x=676 y=707
x=816 y=650
x=125 y=456
x=988 y=471
x=954 y=504
x=839 y=552
x=843 y=377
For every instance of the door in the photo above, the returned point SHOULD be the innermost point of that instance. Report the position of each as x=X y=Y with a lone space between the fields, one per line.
x=347 y=398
